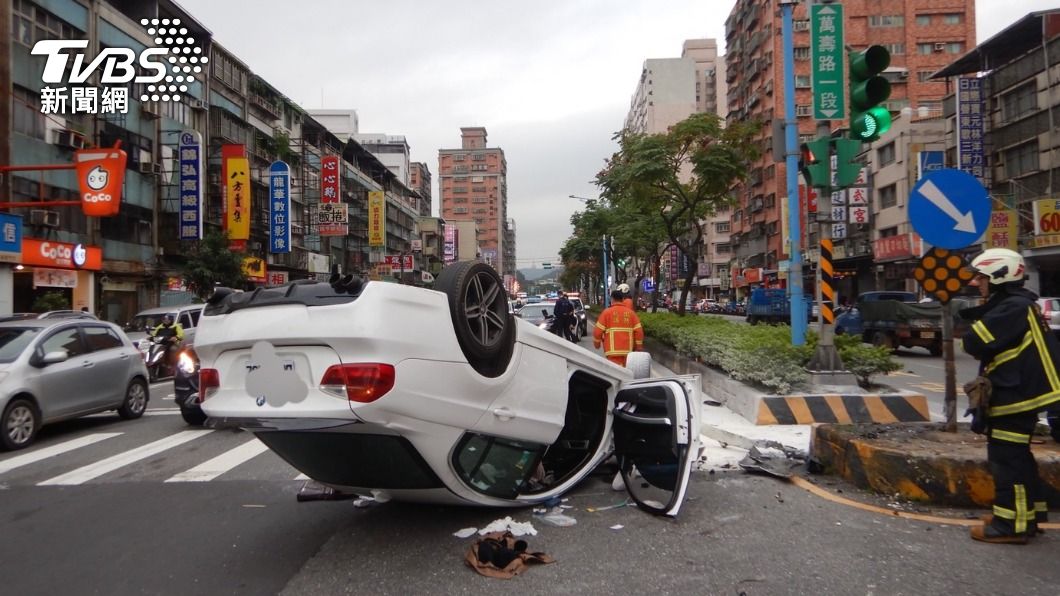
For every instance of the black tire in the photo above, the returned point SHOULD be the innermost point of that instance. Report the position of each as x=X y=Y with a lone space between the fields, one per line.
x=135 y=402
x=19 y=424
x=478 y=305
x=193 y=416
x=936 y=349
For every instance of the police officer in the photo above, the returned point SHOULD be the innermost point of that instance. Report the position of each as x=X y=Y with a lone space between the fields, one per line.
x=1018 y=355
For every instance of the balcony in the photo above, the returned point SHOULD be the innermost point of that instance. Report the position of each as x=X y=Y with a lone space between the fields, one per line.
x=268 y=106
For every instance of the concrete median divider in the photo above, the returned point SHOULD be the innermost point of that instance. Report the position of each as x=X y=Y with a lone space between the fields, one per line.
x=797 y=408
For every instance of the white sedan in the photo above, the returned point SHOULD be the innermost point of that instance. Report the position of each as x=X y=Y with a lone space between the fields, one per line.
x=438 y=395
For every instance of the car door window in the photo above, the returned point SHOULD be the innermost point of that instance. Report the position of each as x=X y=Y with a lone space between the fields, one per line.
x=195 y=317
x=185 y=321
x=101 y=338
x=68 y=339
x=494 y=466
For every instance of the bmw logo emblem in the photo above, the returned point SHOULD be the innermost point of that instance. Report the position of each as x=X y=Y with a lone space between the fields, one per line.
x=260 y=401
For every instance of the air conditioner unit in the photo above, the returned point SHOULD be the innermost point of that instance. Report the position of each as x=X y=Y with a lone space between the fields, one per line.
x=903 y=74
x=70 y=139
x=43 y=217
x=147 y=168
x=197 y=104
x=940 y=47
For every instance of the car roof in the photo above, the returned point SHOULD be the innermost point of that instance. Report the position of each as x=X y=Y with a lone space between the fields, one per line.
x=55 y=322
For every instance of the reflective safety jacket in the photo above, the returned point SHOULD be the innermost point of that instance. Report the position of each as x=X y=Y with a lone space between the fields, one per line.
x=1016 y=352
x=174 y=330
x=618 y=328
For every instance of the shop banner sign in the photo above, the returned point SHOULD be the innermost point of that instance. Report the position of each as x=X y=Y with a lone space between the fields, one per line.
x=190 y=153
x=54 y=278
x=329 y=179
x=278 y=278
x=333 y=219
x=970 y=126
x=10 y=238
x=235 y=169
x=279 y=207
x=377 y=219
x=1003 y=231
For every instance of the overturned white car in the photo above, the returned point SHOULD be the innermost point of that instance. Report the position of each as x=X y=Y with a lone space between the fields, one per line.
x=438 y=395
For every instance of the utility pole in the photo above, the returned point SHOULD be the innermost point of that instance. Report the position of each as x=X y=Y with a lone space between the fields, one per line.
x=791 y=166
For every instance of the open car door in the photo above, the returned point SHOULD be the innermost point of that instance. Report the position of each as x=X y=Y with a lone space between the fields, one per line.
x=656 y=431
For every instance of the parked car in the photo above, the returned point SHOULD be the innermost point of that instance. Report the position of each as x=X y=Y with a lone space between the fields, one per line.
x=60 y=368
x=1050 y=309
x=51 y=314
x=438 y=395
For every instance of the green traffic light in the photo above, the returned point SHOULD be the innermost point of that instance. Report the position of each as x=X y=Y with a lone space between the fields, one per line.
x=869 y=119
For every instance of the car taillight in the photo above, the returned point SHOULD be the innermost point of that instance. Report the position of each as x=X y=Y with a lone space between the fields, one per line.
x=209 y=383
x=361 y=382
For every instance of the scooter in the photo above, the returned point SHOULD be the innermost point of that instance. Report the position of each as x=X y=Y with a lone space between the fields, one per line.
x=155 y=351
x=551 y=325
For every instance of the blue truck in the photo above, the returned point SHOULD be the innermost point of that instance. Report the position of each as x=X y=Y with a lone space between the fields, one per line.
x=773 y=306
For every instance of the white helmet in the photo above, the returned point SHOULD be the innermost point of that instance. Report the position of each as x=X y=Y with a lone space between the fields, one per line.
x=1001 y=265
x=624 y=288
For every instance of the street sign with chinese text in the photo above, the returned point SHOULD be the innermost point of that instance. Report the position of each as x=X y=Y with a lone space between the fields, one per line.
x=1003 y=231
x=329 y=179
x=377 y=219
x=399 y=261
x=333 y=219
x=190 y=154
x=279 y=207
x=971 y=126
x=10 y=238
x=826 y=52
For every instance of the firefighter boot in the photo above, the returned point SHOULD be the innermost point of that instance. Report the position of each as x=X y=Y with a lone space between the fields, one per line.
x=988 y=533
x=1032 y=527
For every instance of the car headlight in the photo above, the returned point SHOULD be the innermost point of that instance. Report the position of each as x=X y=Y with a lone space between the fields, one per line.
x=187 y=363
x=542 y=325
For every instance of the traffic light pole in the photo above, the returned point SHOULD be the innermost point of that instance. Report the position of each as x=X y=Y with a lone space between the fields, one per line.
x=826 y=366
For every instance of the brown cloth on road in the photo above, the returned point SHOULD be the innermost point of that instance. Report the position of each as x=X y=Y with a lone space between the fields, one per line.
x=500 y=555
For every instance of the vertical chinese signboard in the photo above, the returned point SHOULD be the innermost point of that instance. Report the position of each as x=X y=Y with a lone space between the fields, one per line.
x=279 y=207
x=329 y=179
x=858 y=201
x=826 y=51
x=970 y=126
x=333 y=220
x=376 y=218
x=236 y=172
x=1003 y=231
x=190 y=150
x=449 y=250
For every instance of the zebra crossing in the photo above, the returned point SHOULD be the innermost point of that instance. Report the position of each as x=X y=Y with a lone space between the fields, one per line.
x=187 y=455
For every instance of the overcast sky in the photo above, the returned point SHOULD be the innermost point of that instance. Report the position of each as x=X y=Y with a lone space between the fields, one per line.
x=551 y=81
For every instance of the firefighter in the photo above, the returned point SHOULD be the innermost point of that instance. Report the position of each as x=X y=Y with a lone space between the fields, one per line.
x=627 y=297
x=618 y=329
x=1018 y=356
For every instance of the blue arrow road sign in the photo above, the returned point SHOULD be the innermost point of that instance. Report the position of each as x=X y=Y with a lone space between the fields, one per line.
x=949 y=209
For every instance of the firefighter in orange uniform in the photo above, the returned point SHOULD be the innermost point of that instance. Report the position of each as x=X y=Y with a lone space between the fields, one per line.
x=619 y=330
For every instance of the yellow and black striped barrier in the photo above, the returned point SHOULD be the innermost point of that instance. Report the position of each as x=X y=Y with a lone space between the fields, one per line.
x=842 y=409
x=827 y=287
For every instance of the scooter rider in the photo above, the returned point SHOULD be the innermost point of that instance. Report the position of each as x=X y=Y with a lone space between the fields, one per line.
x=171 y=333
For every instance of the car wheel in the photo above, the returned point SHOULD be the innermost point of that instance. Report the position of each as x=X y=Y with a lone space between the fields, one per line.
x=639 y=363
x=193 y=416
x=135 y=400
x=20 y=424
x=478 y=305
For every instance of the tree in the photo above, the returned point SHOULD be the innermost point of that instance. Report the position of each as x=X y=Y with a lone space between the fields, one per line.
x=682 y=176
x=210 y=263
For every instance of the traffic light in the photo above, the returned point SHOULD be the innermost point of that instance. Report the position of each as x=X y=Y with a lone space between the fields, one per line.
x=868 y=119
x=847 y=168
x=814 y=162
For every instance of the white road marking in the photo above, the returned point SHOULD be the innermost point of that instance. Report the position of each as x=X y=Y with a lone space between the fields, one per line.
x=213 y=468
x=162 y=412
x=95 y=470
x=41 y=454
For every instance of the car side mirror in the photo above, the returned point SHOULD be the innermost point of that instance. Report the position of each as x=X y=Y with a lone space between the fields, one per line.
x=544 y=312
x=54 y=357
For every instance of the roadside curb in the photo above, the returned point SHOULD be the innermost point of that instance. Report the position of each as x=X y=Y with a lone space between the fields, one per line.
x=952 y=471
x=798 y=408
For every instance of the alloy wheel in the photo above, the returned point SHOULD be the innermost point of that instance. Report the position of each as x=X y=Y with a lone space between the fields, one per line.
x=483 y=309
x=21 y=423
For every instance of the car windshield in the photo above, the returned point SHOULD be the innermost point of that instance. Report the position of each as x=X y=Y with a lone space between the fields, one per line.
x=577 y=303
x=147 y=322
x=13 y=340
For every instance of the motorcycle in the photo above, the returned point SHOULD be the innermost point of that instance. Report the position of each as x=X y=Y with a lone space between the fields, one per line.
x=551 y=325
x=155 y=351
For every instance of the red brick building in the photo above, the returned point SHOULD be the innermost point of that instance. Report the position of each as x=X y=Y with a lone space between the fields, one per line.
x=473 y=186
x=922 y=36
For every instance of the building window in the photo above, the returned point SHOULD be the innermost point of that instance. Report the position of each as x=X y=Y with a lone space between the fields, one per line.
x=722 y=248
x=478 y=157
x=459 y=157
x=26 y=114
x=924 y=76
x=888 y=232
x=896 y=49
x=1019 y=102
x=888 y=196
x=885 y=154
x=886 y=21
x=925 y=48
x=802 y=81
x=1021 y=160
x=955 y=47
x=801 y=25
x=801 y=53
x=31 y=23
x=721 y=227
x=896 y=105
x=923 y=20
x=953 y=18
x=931 y=105
x=803 y=110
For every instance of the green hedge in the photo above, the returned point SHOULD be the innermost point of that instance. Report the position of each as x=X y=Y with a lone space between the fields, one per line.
x=760 y=354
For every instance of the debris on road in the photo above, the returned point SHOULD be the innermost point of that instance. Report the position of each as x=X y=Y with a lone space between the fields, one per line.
x=773 y=458
x=500 y=555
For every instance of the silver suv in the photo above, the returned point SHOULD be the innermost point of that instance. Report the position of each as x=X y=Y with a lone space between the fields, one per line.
x=142 y=324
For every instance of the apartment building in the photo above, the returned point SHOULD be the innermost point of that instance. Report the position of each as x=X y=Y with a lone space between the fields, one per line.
x=420 y=181
x=668 y=91
x=922 y=37
x=473 y=186
x=1020 y=103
